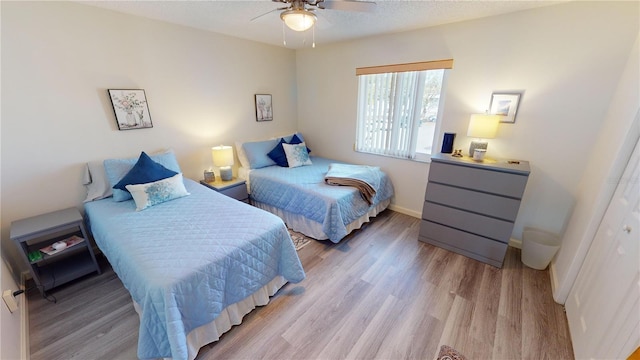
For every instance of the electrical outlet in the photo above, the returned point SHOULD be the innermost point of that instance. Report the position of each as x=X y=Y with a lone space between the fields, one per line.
x=11 y=302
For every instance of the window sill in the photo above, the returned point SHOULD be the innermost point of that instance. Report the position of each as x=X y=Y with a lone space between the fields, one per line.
x=422 y=159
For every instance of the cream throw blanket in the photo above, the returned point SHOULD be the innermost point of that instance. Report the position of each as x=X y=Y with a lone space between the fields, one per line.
x=364 y=178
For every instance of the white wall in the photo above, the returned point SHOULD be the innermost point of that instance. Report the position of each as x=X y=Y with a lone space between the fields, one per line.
x=58 y=60
x=566 y=58
x=607 y=162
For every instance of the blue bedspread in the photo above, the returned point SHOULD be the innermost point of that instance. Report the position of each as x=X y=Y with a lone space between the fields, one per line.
x=185 y=260
x=302 y=190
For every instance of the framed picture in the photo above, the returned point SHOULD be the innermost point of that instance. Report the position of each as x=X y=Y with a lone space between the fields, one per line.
x=505 y=104
x=130 y=108
x=264 y=109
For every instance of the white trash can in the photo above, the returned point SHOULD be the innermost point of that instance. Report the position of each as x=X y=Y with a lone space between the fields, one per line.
x=538 y=247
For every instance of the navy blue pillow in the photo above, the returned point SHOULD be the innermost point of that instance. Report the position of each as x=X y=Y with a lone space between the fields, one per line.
x=144 y=171
x=278 y=155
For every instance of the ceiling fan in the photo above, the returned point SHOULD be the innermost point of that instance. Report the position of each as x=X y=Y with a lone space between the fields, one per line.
x=300 y=15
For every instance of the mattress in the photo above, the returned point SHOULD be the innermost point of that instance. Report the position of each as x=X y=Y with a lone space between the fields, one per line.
x=302 y=192
x=186 y=260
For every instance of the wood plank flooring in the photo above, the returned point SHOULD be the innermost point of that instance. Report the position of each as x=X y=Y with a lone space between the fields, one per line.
x=379 y=294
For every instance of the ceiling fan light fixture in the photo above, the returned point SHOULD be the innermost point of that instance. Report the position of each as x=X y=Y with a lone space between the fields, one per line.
x=298 y=19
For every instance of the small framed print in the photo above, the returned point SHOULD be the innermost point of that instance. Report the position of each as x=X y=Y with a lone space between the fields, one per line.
x=264 y=108
x=505 y=104
x=131 y=109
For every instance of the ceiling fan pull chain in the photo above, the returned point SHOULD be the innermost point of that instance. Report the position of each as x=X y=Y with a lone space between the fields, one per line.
x=313 y=44
x=284 y=36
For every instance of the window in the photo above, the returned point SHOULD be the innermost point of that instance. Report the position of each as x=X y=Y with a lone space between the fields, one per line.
x=398 y=107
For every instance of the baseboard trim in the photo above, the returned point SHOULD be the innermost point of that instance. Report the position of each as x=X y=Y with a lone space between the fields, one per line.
x=405 y=211
x=553 y=277
x=515 y=243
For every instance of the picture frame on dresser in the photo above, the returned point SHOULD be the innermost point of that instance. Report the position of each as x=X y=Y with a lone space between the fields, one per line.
x=264 y=107
x=130 y=108
x=505 y=104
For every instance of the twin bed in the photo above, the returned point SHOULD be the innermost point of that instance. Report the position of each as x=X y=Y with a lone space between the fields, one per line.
x=301 y=196
x=195 y=265
x=307 y=204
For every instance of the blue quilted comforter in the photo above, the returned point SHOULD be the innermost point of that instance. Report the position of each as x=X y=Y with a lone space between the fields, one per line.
x=185 y=260
x=302 y=190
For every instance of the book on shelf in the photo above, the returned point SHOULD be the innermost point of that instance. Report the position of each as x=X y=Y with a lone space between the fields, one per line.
x=71 y=241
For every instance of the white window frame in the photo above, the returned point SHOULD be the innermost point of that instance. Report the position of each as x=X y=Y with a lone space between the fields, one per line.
x=387 y=145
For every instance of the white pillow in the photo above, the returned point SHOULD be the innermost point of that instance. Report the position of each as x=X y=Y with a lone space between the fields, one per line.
x=244 y=162
x=297 y=154
x=96 y=182
x=157 y=192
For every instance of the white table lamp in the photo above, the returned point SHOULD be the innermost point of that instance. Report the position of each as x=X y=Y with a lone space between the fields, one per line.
x=223 y=159
x=482 y=126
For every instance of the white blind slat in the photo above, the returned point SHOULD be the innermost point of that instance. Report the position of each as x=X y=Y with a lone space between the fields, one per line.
x=390 y=110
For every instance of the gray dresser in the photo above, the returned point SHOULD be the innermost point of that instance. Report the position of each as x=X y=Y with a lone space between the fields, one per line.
x=470 y=207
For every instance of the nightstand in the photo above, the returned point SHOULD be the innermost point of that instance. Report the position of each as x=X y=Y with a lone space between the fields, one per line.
x=39 y=232
x=235 y=188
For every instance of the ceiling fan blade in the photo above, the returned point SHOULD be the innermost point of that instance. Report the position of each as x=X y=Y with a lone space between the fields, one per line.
x=269 y=12
x=347 y=5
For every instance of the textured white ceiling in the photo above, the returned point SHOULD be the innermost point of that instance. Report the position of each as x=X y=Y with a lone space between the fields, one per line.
x=233 y=17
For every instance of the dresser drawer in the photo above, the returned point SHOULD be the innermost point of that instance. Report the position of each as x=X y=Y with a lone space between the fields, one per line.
x=476 y=224
x=492 y=205
x=490 y=181
x=473 y=246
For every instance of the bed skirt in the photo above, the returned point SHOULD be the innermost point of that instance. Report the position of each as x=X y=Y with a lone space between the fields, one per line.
x=230 y=316
x=312 y=228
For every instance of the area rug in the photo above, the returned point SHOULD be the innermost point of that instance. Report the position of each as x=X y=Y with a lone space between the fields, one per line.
x=449 y=353
x=299 y=239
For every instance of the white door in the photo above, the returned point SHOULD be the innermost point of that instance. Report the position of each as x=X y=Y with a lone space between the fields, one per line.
x=603 y=308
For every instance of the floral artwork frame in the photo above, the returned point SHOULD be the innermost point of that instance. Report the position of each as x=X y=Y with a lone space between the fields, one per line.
x=131 y=108
x=505 y=104
x=264 y=107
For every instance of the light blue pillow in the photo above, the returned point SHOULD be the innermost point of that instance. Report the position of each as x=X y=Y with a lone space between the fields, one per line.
x=116 y=169
x=297 y=154
x=257 y=151
x=157 y=192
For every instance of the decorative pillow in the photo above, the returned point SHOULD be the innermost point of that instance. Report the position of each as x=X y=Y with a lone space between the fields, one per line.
x=144 y=171
x=257 y=151
x=278 y=155
x=116 y=169
x=157 y=192
x=96 y=182
x=297 y=139
x=288 y=138
x=297 y=154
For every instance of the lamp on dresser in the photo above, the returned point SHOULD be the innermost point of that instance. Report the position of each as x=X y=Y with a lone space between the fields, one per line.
x=481 y=127
x=223 y=158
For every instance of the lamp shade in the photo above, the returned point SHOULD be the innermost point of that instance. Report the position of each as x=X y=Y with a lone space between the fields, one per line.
x=483 y=126
x=298 y=19
x=222 y=155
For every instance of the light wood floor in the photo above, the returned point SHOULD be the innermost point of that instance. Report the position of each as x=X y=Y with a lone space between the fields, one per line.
x=379 y=294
